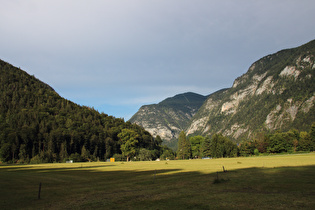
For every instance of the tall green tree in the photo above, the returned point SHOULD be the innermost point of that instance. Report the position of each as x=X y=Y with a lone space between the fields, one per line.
x=206 y=147
x=260 y=142
x=184 y=150
x=312 y=137
x=281 y=142
x=5 y=152
x=128 y=140
x=158 y=142
x=85 y=154
x=196 y=146
x=222 y=146
x=305 y=143
x=247 y=148
x=63 y=151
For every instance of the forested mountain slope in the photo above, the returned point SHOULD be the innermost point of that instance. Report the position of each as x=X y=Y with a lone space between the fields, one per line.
x=276 y=93
x=36 y=123
x=170 y=116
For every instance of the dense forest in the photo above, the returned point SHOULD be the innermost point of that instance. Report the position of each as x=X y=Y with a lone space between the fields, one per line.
x=37 y=125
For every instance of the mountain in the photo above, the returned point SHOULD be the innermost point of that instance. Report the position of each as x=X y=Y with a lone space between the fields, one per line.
x=170 y=116
x=276 y=93
x=37 y=124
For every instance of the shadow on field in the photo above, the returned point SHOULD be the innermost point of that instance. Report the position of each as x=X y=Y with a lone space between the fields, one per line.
x=45 y=168
x=94 y=188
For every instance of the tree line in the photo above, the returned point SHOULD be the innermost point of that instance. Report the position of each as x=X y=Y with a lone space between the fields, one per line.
x=280 y=142
x=218 y=146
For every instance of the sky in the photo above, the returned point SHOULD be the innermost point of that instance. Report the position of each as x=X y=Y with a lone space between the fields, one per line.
x=117 y=55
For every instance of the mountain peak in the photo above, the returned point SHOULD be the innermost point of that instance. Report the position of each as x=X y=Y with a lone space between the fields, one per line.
x=183 y=98
x=170 y=116
x=277 y=92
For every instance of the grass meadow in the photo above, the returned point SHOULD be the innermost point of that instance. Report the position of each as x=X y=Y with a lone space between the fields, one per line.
x=264 y=182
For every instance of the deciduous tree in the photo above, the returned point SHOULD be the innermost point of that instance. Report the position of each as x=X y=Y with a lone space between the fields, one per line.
x=128 y=140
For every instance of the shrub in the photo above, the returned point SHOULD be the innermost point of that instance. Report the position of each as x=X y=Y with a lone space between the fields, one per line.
x=36 y=160
x=256 y=152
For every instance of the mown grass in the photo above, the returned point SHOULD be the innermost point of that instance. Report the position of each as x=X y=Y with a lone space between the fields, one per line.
x=270 y=182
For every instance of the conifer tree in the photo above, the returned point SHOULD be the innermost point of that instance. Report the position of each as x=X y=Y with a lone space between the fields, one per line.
x=196 y=146
x=205 y=147
x=184 y=150
x=312 y=137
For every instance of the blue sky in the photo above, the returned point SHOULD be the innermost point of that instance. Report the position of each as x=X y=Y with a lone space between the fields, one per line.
x=117 y=55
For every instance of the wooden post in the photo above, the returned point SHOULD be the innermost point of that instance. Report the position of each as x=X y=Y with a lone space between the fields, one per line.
x=154 y=175
x=40 y=188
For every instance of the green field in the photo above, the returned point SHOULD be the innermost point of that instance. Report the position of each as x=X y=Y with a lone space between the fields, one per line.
x=266 y=182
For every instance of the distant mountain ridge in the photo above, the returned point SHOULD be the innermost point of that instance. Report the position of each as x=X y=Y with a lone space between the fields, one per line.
x=170 y=116
x=276 y=93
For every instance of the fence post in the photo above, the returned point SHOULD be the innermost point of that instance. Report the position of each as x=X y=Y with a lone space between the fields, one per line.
x=40 y=187
x=154 y=174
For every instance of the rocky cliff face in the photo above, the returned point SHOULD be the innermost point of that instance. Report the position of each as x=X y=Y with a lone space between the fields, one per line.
x=170 y=116
x=277 y=93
